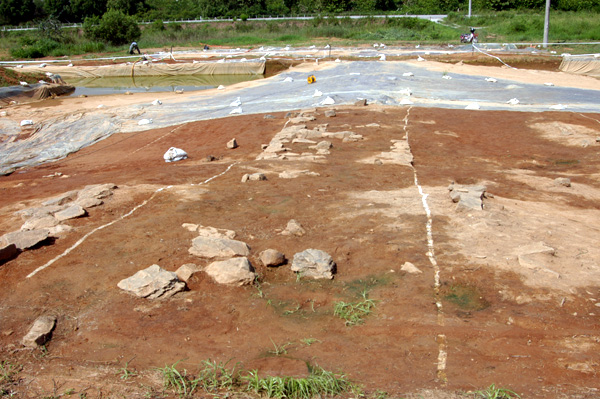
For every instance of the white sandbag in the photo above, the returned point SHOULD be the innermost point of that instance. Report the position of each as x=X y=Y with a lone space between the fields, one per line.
x=26 y=122
x=174 y=154
x=145 y=122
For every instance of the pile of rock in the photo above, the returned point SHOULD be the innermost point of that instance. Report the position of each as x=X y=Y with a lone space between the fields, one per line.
x=47 y=220
x=467 y=197
x=296 y=132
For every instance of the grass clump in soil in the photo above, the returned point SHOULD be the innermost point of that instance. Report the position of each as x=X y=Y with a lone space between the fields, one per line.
x=355 y=313
x=8 y=378
x=494 y=392
x=319 y=383
x=466 y=297
x=216 y=377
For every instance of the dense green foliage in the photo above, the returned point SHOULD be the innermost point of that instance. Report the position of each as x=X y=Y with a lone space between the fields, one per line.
x=101 y=33
x=114 y=27
x=14 y=12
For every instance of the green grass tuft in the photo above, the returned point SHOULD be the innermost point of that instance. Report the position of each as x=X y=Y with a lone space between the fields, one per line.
x=354 y=313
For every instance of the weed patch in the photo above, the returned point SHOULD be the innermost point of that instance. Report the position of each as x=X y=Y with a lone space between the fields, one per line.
x=466 y=297
x=354 y=313
x=494 y=392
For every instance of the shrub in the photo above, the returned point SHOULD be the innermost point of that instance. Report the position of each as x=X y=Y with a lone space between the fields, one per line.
x=115 y=27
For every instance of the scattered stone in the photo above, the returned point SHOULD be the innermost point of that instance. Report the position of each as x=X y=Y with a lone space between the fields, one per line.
x=271 y=258
x=89 y=202
x=210 y=247
x=467 y=197
x=410 y=268
x=210 y=158
x=186 y=271
x=303 y=141
x=293 y=228
x=98 y=191
x=40 y=212
x=190 y=226
x=61 y=199
x=7 y=252
x=268 y=116
x=215 y=233
x=324 y=145
x=378 y=161
x=152 y=283
x=25 y=239
x=59 y=230
x=40 y=332
x=313 y=263
x=536 y=256
x=40 y=223
x=235 y=271
x=563 y=181
x=231 y=144
x=253 y=177
x=72 y=212
x=361 y=103
x=292 y=174
x=302 y=119
x=330 y=113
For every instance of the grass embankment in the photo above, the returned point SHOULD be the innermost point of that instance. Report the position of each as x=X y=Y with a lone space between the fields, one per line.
x=9 y=77
x=528 y=27
x=499 y=27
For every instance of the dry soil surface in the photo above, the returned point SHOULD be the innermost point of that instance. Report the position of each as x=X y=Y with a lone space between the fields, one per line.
x=477 y=314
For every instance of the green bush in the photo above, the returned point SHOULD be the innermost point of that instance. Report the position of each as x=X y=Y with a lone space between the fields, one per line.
x=37 y=49
x=114 y=27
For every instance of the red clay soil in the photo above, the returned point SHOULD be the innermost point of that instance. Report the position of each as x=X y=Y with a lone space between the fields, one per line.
x=540 y=348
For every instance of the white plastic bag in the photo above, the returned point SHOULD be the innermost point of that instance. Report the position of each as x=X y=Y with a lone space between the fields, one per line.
x=174 y=154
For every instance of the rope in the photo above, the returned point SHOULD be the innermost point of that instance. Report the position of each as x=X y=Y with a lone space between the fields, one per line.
x=493 y=56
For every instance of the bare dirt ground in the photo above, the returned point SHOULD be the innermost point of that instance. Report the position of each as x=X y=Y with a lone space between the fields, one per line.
x=530 y=327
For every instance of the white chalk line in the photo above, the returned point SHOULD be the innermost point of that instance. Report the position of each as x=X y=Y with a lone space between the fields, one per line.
x=441 y=338
x=158 y=139
x=85 y=237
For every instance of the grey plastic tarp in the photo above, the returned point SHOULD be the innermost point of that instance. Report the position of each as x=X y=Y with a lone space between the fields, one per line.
x=346 y=82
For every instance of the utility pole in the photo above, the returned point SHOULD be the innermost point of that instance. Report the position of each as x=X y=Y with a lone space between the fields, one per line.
x=469 y=16
x=546 y=23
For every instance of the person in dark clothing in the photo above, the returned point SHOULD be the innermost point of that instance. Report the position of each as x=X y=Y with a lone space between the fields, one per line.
x=133 y=47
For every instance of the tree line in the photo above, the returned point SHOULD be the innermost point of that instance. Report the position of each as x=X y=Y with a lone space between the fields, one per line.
x=15 y=12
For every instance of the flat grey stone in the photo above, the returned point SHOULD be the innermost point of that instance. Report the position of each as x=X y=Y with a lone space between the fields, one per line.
x=410 y=268
x=44 y=222
x=39 y=212
x=152 y=282
x=25 y=239
x=271 y=258
x=313 y=263
x=235 y=271
x=563 y=181
x=40 y=332
x=62 y=199
x=99 y=191
x=293 y=228
x=89 y=202
x=186 y=271
x=72 y=212
x=212 y=247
